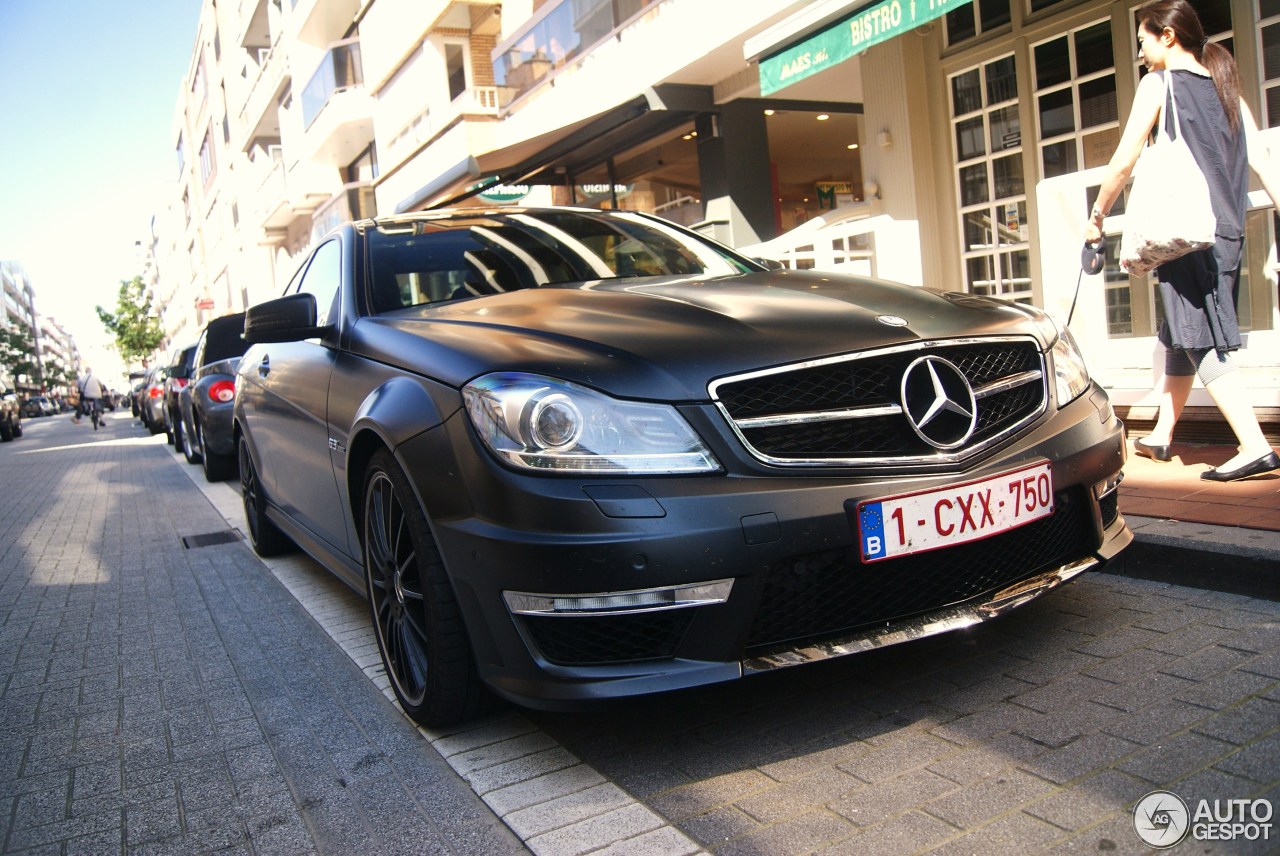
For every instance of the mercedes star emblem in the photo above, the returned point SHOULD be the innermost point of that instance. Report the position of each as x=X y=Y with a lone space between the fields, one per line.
x=939 y=403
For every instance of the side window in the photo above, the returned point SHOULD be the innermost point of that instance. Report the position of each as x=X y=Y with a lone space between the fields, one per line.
x=322 y=279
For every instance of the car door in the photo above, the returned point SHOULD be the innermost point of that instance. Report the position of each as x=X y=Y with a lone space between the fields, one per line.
x=290 y=424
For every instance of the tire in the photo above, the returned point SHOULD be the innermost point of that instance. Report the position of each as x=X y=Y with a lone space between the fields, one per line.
x=189 y=450
x=265 y=536
x=173 y=432
x=17 y=429
x=216 y=467
x=6 y=432
x=419 y=626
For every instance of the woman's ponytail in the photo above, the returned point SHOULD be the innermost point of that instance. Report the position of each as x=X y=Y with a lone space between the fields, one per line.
x=1226 y=77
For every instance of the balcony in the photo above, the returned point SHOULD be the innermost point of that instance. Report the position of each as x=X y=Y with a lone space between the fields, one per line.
x=286 y=195
x=337 y=109
x=354 y=201
x=255 y=17
x=556 y=36
x=267 y=79
x=320 y=22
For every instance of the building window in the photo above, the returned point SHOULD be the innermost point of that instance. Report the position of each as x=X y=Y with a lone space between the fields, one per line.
x=975 y=18
x=1269 y=43
x=455 y=61
x=990 y=180
x=207 y=165
x=1077 y=116
x=182 y=156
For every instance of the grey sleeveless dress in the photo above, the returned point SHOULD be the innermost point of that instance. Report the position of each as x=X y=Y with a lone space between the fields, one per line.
x=1199 y=290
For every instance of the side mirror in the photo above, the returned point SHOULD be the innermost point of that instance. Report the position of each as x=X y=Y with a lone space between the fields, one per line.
x=285 y=319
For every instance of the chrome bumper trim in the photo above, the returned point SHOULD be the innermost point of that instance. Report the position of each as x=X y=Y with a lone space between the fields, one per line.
x=929 y=624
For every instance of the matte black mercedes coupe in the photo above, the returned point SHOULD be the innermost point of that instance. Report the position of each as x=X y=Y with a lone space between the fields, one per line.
x=573 y=454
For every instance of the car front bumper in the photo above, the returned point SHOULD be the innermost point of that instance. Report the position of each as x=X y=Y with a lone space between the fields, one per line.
x=603 y=562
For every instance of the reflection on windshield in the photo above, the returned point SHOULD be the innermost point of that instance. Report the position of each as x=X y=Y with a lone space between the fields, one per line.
x=452 y=258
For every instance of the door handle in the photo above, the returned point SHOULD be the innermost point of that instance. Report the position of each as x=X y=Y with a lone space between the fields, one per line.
x=264 y=367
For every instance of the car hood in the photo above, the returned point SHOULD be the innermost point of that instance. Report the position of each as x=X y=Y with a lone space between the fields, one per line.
x=665 y=338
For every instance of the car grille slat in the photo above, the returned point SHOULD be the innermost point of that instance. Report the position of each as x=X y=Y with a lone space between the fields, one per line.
x=783 y=415
x=830 y=592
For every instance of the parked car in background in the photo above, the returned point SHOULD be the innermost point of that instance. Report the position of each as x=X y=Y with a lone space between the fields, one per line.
x=136 y=379
x=38 y=405
x=177 y=374
x=572 y=455
x=10 y=415
x=207 y=402
x=151 y=400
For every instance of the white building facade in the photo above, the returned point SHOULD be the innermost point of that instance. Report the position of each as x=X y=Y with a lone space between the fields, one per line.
x=948 y=143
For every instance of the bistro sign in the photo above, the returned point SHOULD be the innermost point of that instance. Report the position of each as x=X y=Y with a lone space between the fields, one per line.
x=847 y=38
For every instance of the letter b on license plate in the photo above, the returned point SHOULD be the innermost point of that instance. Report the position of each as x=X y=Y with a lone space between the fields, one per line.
x=956 y=514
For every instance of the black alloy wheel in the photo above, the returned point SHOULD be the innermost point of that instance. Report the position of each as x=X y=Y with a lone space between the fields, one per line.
x=419 y=626
x=265 y=536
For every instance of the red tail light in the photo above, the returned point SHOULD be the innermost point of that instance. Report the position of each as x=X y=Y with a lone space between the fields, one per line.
x=181 y=382
x=222 y=391
x=154 y=392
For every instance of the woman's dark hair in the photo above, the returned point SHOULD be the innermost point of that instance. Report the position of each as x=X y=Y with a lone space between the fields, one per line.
x=1181 y=17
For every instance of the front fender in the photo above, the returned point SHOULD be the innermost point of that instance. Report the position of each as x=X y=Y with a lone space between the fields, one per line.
x=394 y=412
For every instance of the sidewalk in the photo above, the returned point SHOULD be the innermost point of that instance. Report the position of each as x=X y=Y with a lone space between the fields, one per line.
x=160 y=694
x=1219 y=536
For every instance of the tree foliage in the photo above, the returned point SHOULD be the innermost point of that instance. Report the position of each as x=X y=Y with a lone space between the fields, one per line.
x=134 y=324
x=18 y=354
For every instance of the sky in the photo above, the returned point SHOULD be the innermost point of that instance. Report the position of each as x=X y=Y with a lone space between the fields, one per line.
x=88 y=94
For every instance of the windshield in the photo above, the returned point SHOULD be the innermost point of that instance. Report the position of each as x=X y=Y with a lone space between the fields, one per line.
x=452 y=258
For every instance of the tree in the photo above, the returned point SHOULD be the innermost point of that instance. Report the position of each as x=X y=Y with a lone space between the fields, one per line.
x=55 y=375
x=136 y=328
x=18 y=354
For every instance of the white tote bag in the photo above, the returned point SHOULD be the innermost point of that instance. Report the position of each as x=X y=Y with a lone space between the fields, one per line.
x=1169 y=213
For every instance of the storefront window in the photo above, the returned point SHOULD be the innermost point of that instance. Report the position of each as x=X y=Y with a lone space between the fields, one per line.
x=973 y=19
x=1076 y=108
x=991 y=180
x=1269 y=38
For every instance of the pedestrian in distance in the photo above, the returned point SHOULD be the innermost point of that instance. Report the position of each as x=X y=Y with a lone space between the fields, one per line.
x=1199 y=327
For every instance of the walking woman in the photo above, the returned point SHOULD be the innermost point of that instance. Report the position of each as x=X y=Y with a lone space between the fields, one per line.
x=1199 y=329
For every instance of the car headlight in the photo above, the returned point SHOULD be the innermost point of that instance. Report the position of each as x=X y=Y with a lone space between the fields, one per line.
x=1070 y=374
x=537 y=423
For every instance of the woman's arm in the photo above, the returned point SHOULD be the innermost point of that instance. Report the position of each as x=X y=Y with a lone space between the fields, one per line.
x=1142 y=118
x=1261 y=159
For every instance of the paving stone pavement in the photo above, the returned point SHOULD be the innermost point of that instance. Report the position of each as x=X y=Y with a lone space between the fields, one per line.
x=1036 y=733
x=156 y=699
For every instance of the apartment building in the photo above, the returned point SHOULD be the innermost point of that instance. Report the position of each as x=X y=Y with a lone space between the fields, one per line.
x=19 y=314
x=954 y=143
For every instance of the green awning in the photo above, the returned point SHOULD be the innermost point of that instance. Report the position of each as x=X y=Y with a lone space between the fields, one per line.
x=847 y=38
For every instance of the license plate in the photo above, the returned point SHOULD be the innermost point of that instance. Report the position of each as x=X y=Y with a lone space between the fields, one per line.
x=956 y=514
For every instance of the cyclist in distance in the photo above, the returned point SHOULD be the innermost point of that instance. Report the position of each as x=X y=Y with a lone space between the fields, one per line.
x=90 y=389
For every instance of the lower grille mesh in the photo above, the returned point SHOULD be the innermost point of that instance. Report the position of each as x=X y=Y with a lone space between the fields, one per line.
x=828 y=592
x=591 y=640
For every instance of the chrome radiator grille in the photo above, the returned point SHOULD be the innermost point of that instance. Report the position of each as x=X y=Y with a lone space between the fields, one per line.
x=927 y=402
